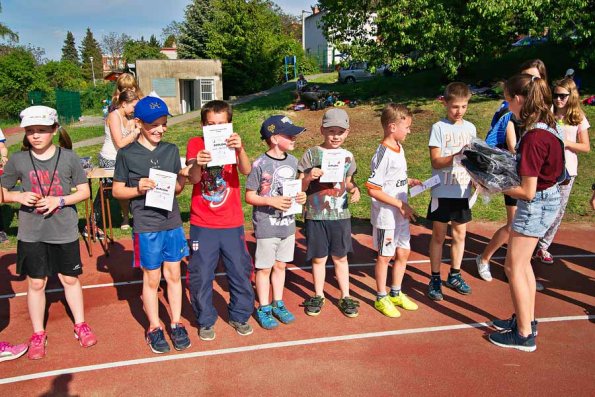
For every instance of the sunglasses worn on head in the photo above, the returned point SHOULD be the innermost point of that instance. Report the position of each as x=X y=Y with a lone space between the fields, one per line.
x=560 y=96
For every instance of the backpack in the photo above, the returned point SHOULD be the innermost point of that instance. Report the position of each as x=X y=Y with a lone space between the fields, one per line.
x=496 y=136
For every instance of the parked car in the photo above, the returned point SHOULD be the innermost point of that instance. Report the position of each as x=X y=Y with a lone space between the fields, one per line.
x=357 y=71
x=529 y=41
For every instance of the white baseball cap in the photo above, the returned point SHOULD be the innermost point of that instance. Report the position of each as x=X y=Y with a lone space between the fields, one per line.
x=38 y=115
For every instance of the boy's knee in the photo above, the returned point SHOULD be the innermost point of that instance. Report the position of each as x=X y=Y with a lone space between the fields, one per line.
x=68 y=281
x=37 y=284
x=279 y=266
x=438 y=238
x=264 y=272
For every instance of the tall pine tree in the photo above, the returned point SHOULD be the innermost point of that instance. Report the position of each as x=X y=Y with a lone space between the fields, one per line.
x=90 y=49
x=69 y=51
x=193 y=35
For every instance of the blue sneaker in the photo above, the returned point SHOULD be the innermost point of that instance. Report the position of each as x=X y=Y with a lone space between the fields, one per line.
x=435 y=289
x=456 y=282
x=280 y=311
x=156 y=341
x=179 y=337
x=513 y=340
x=510 y=323
x=264 y=316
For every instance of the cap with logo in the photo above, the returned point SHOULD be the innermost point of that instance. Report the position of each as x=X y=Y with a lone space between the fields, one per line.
x=150 y=108
x=279 y=124
x=38 y=115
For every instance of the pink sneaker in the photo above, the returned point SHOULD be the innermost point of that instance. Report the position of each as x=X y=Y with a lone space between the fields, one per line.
x=10 y=352
x=85 y=336
x=37 y=345
x=545 y=257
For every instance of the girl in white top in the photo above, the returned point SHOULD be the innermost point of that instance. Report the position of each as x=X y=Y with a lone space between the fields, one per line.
x=120 y=131
x=571 y=118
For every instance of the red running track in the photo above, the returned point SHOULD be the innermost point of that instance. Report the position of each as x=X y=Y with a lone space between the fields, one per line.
x=439 y=349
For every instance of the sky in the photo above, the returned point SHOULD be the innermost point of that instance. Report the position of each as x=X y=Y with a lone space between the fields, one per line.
x=44 y=23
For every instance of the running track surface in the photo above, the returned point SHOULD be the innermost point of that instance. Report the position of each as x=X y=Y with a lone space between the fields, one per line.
x=438 y=350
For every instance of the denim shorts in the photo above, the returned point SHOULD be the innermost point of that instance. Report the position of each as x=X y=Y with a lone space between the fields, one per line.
x=533 y=218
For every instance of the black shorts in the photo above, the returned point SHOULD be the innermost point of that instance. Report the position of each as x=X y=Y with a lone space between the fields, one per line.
x=40 y=260
x=324 y=238
x=450 y=210
x=509 y=201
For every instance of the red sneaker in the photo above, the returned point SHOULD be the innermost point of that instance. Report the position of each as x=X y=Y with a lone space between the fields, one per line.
x=545 y=257
x=10 y=352
x=37 y=345
x=85 y=336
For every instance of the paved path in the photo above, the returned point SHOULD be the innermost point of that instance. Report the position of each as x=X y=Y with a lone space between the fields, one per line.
x=15 y=135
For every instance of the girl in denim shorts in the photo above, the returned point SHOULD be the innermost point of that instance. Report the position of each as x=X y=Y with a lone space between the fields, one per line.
x=540 y=166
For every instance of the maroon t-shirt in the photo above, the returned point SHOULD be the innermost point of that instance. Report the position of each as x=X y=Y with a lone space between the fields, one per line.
x=541 y=156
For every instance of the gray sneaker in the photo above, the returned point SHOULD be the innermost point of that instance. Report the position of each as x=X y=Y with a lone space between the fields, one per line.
x=241 y=328
x=206 y=333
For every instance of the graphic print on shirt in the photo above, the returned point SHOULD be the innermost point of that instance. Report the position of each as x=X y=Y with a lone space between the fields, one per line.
x=272 y=185
x=45 y=179
x=213 y=185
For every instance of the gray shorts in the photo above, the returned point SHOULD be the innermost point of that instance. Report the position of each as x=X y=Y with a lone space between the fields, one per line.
x=269 y=250
x=324 y=238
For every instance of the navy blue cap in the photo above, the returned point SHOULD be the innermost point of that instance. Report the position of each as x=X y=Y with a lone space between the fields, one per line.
x=150 y=108
x=279 y=124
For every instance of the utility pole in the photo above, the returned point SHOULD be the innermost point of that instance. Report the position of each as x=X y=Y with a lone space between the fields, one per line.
x=93 y=71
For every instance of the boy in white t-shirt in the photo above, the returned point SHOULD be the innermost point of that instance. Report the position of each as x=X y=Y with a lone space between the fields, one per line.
x=387 y=186
x=450 y=199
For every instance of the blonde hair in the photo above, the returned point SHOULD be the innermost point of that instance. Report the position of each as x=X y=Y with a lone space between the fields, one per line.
x=456 y=90
x=538 y=99
x=394 y=112
x=574 y=114
x=126 y=81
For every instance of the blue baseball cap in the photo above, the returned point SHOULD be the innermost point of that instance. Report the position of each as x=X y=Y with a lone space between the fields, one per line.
x=279 y=124
x=150 y=108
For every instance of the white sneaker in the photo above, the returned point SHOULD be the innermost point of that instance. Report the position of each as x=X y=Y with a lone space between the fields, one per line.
x=483 y=269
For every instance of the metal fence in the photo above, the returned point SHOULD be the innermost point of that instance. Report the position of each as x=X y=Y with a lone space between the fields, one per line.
x=66 y=103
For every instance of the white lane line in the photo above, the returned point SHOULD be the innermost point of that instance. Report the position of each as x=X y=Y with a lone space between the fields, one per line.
x=293 y=268
x=265 y=346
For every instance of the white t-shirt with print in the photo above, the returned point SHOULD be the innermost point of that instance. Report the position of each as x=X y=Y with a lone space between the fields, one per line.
x=388 y=173
x=455 y=182
x=571 y=133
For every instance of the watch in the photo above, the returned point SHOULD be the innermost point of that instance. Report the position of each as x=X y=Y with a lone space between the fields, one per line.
x=62 y=202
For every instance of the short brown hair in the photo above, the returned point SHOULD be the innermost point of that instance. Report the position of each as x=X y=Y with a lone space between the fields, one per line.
x=216 y=106
x=393 y=112
x=456 y=90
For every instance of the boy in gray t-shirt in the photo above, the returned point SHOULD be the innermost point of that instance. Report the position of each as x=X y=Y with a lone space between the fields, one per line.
x=275 y=232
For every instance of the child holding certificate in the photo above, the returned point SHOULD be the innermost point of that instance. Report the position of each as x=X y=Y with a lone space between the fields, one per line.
x=274 y=222
x=328 y=221
x=387 y=186
x=159 y=239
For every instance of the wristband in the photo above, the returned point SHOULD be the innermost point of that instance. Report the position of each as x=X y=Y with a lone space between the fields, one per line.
x=62 y=202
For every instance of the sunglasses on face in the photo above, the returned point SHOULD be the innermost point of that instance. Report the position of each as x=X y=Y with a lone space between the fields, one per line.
x=560 y=96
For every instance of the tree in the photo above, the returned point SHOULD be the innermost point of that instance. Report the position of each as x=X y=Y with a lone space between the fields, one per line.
x=64 y=74
x=69 y=51
x=193 y=37
x=170 y=41
x=137 y=49
x=153 y=42
x=19 y=75
x=90 y=49
x=171 y=33
x=444 y=33
x=113 y=45
x=6 y=32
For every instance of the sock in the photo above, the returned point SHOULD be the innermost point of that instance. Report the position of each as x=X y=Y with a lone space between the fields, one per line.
x=395 y=290
x=380 y=295
x=455 y=271
x=174 y=325
x=436 y=275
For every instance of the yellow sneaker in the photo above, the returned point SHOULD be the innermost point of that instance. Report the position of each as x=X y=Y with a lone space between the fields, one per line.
x=386 y=307
x=403 y=301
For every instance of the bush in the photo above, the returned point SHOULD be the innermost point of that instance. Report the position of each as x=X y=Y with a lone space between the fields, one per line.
x=92 y=97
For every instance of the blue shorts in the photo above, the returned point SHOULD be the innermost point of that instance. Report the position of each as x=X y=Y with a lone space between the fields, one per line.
x=151 y=249
x=533 y=218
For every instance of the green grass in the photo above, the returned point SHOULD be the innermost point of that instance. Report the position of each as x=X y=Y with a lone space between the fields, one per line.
x=418 y=91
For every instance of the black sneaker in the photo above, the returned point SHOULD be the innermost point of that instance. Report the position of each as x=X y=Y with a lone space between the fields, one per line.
x=243 y=329
x=157 y=342
x=313 y=305
x=348 y=306
x=179 y=337
x=513 y=340
x=510 y=323
x=206 y=333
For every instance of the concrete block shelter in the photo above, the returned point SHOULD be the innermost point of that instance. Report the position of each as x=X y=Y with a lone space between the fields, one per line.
x=184 y=84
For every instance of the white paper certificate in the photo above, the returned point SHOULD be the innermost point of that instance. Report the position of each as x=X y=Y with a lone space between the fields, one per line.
x=333 y=166
x=433 y=181
x=162 y=196
x=215 y=137
x=291 y=189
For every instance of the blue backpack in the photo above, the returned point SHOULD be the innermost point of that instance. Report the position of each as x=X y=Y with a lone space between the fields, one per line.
x=496 y=136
